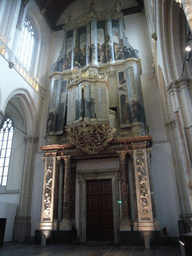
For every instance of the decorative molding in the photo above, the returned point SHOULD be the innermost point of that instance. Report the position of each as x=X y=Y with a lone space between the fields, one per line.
x=121 y=142
x=91 y=137
x=111 y=73
x=90 y=73
x=57 y=147
x=30 y=139
x=138 y=130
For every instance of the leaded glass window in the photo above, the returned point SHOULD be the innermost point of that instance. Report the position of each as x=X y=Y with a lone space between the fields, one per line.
x=26 y=47
x=6 y=136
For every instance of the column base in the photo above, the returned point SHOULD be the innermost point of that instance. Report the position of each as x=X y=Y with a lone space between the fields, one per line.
x=144 y=226
x=48 y=225
x=65 y=225
x=125 y=225
x=22 y=229
x=56 y=236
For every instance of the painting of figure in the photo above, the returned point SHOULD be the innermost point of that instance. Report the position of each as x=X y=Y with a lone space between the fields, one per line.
x=60 y=121
x=137 y=112
x=51 y=123
x=125 y=112
x=101 y=41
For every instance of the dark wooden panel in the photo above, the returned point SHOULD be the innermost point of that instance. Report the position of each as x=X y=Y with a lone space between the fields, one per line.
x=99 y=211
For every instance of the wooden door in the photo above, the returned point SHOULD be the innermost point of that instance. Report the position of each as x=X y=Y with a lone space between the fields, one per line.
x=99 y=211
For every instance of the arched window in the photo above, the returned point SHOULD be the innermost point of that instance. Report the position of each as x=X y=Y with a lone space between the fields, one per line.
x=6 y=136
x=26 y=46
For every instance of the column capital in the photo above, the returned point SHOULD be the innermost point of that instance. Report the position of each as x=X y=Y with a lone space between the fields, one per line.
x=140 y=145
x=53 y=154
x=66 y=158
x=179 y=84
x=30 y=139
x=122 y=154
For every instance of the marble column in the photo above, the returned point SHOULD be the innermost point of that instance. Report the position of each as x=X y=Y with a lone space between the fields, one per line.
x=66 y=221
x=60 y=195
x=144 y=210
x=47 y=211
x=125 y=222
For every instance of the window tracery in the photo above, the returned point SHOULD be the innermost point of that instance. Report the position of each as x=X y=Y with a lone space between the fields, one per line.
x=26 y=47
x=6 y=136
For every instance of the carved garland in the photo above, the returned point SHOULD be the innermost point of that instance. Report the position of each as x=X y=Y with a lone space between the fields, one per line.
x=91 y=137
x=142 y=178
x=48 y=189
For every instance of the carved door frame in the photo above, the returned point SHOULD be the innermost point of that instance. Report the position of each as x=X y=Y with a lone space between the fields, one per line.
x=82 y=177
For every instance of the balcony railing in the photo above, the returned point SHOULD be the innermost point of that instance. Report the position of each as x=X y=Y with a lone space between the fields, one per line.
x=6 y=53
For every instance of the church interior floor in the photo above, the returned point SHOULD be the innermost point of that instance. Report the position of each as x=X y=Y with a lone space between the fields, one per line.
x=15 y=249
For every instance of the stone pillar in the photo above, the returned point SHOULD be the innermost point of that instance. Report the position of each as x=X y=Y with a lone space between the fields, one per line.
x=182 y=112
x=144 y=210
x=22 y=225
x=47 y=218
x=82 y=209
x=125 y=222
x=66 y=221
x=60 y=195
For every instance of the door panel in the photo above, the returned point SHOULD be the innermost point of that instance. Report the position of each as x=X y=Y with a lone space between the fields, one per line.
x=99 y=211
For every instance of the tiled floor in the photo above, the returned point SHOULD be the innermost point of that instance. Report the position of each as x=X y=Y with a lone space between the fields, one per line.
x=10 y=249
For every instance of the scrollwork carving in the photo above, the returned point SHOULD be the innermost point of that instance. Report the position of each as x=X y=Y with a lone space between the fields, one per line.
x=142 y=178
x=91 y=137
x=48 y=188
x=90 y=73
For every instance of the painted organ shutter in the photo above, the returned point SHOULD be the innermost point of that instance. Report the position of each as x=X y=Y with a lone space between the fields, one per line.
x=78 y=103
x=54 y=101
x=61 y=111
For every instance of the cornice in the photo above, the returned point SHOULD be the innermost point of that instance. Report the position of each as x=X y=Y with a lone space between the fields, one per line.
x=127 y=141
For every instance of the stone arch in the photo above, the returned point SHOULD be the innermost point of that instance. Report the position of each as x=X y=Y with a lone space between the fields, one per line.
x=24 y=105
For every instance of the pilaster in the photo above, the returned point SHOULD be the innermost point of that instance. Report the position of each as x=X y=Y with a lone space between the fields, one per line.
x=125 y=223
x=47 y=221
x=144 y=209
x=66 y=221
